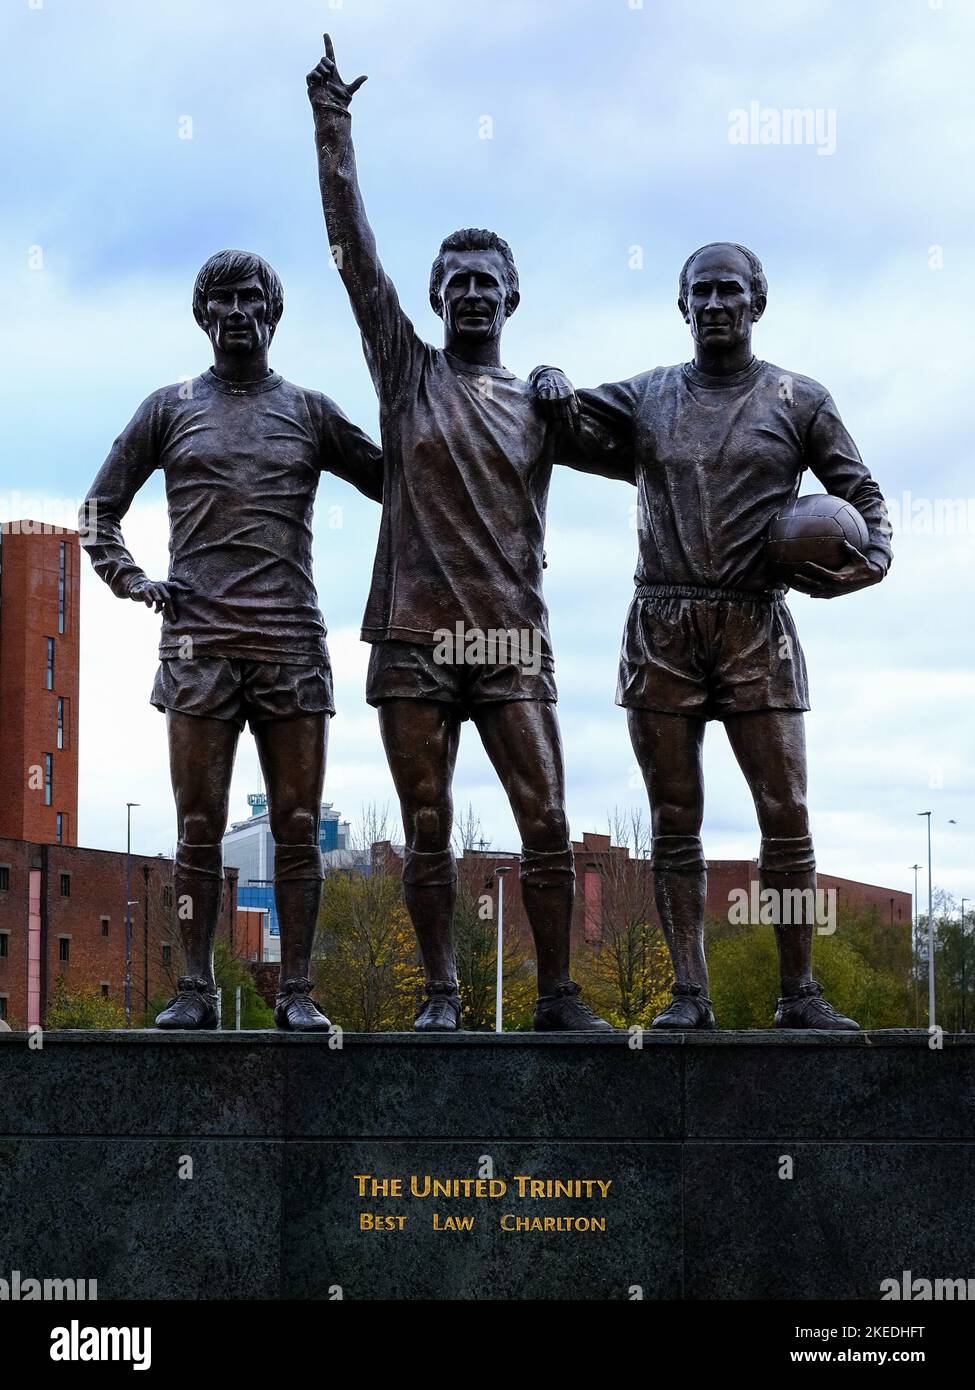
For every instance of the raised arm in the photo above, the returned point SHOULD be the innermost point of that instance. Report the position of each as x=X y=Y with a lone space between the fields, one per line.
x=592 y=430
x=132 y=459
x=834 y=459
x=388 y=335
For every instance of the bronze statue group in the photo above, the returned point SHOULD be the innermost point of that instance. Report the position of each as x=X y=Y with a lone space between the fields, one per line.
x=715 y=447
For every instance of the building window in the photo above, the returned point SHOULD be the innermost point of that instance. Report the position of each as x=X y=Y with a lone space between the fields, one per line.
x=60 y=721
x=4 y=877
x=48 y=778
x=60 y=827
x=104 y=989
x=167 y=953
x=4 y=945
x=61 y=561
x=105 y=922
x=49 y=669
x=64 y=948
x=65 y=879
x=167 y=895
x=3 y=1007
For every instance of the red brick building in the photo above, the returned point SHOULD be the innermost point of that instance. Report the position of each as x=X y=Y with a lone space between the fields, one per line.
x=62 y=916
x=610 y=881
x=39 y=650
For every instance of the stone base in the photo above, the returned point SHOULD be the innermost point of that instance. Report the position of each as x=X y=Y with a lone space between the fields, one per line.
x=695 y=1136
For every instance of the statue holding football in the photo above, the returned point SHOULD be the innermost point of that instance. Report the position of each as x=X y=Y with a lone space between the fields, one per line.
x=716 y=448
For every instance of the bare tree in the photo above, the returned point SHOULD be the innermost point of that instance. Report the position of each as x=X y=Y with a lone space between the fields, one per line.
x=624 y=962
x=468 y=832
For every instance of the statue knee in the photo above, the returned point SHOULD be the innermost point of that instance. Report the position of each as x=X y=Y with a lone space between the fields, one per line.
x=545 y=828
x=676 y=818
x=295 y=827
x=427 y=829
x=201 y=828
x=783 y=815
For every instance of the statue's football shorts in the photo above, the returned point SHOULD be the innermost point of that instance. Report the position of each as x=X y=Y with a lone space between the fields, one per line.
x=710 y=652
x=409 y=671
x=242 y=691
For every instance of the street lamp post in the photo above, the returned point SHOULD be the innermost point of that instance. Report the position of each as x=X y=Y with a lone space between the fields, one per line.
x=128 y=912
x=930 y=929
x=500 y=872
x=917 y=933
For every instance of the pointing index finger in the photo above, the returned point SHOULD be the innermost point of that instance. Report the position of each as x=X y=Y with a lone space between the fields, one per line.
x=329 y=50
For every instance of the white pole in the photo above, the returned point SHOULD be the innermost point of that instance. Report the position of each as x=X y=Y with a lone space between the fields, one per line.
x=237 y=1025
x=930 y=929
x=219 y=1008
x=499 y=976
x=916 y=939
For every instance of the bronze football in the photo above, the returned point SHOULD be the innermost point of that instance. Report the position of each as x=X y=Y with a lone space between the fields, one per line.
x=814 y=528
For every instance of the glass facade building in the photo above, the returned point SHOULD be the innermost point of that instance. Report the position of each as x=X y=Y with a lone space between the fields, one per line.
x=249 y=847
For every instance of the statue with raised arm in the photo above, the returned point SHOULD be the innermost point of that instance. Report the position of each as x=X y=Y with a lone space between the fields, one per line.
x=242 y=451
x=716 y=448
x=456 y=615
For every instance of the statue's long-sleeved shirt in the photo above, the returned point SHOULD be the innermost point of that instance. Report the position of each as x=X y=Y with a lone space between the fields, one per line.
x=242 y=466
x=714 y=458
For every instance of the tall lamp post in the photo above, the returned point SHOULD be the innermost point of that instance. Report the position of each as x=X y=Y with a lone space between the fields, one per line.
x=917 y=933
x=500 y=872
x=930 y=929
x=128 y=911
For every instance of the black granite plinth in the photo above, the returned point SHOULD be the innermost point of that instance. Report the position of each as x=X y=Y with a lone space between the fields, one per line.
x=261 y=1165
